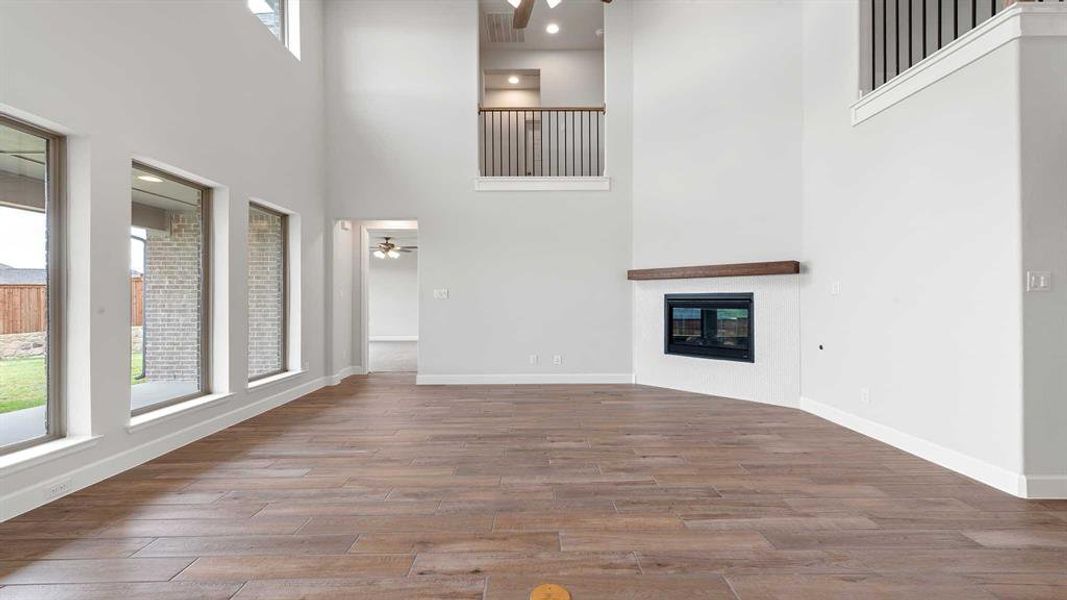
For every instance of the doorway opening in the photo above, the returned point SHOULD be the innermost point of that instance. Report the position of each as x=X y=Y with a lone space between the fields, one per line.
x=392 y=295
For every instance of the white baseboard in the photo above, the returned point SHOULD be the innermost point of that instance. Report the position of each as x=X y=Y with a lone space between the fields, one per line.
x=393 y=338
x=991 y=475
x=1045 y=487
x=524 y=378
x=349 y=371
x=18 y=502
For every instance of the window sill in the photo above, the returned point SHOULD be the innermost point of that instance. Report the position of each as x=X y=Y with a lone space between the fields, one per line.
x=166 y=413
x=283 y=376
x=1020 y=20
x=542 y=184
x=44 y=452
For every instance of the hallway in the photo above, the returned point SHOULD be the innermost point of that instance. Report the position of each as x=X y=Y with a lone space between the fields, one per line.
x=379 y=489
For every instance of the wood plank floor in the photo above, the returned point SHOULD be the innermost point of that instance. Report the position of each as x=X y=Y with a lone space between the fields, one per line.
x=380 y=489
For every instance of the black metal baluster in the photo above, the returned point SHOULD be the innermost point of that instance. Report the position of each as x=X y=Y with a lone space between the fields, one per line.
x=589 y=135
x=573 y=157
x=992 y=8
x=557 y=143
x=911 y=36
x=541 y=139
x=896 y=37
x=874 y=52
x=940 y=15
x=956 y=19
x=581 y=143
x=598 y=142
x=885 y=44
x=525 y=152
x=974 y=13
x=924 y=28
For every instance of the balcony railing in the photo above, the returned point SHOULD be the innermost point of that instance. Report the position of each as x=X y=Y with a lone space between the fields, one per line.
x=900 y=33
x=541 y=141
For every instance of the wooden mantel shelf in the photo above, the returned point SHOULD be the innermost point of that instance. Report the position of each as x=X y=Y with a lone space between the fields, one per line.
x=782 y=267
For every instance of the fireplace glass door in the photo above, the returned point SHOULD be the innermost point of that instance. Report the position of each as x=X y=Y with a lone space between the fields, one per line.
x=709 y=326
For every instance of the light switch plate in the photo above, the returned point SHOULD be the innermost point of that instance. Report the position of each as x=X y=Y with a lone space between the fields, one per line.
x=440 y=294
x=1038 y=281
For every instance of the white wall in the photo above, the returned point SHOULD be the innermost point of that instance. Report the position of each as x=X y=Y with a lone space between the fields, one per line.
x=1043 y=81
x=717 y=132
x=511 y=98
x=396 y=97
x=343 y=269
x=717 y=170
x=916 y=213
x=394 y=296
x=568 y=77
x=209 y=91
x=774 y=376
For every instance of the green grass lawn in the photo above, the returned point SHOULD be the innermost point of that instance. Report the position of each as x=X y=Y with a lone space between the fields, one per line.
x=22 y=381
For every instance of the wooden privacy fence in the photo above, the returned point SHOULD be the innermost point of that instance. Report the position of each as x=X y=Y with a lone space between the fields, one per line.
x=24 y=308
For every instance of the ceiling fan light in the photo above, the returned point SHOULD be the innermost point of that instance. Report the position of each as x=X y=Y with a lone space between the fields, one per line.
x=379 y=254
x=553 y=3
x=393 y=254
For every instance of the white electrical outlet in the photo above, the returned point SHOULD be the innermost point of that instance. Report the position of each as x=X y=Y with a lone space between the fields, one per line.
x=1038 y=281
x=533 y=359
x=307 y=365
x=865 y=395
x=440 y=294
x=557 y=359
x=835 y=288
x=57 y=489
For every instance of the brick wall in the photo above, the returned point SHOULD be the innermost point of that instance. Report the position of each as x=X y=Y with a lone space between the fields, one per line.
x=266 y=291
x=172 y=300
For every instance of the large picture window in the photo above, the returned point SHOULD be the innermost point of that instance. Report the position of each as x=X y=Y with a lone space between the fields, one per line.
x=267 y=292
x=168 y=289
x=30 y=213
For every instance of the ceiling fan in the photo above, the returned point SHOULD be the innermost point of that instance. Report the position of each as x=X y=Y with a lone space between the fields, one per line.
x=390 y=249
x=523 y=9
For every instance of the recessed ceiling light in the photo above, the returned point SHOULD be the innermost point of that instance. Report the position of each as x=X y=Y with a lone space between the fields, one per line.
x=513 y=80
x=150 y=178
x=552 y=28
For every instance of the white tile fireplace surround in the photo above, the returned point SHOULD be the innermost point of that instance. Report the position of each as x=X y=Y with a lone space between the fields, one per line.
x=774 y=377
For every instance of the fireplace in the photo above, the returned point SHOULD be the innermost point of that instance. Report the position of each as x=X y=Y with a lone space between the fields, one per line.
x=709 y=326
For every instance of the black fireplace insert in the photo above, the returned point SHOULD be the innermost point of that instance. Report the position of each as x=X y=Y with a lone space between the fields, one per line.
x=709 y=326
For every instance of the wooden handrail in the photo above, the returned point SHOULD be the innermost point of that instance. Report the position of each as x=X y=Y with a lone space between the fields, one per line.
x=482 y=109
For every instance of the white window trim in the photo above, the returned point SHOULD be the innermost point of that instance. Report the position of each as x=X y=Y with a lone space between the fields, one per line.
x=171 y=411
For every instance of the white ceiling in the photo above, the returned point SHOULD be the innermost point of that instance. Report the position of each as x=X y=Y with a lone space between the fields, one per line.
x=403 y=237
x=21 y=153
x=166 y=194
x=578 y=22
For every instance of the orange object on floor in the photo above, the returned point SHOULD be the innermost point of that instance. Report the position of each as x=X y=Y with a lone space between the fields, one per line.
x=550 y=591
